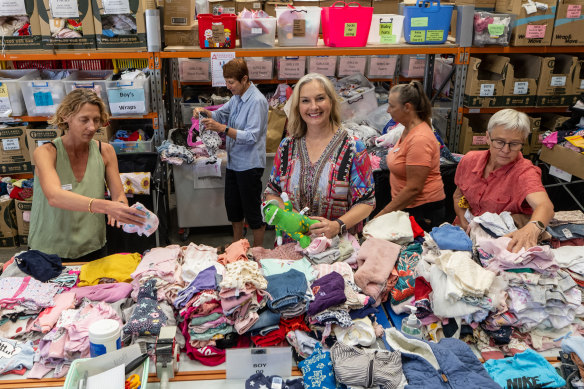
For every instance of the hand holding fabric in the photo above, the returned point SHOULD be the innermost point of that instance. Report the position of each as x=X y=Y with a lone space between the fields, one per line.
x=526 y=237
x=325 y=227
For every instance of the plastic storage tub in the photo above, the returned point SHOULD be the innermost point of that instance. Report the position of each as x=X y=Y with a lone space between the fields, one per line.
x=325 y=65
x=217 y=31
x=194 y=69
x=381 y=66
x=427 y=22
x=75 y=374
x=10 y=86
x=291 y=68
x=260 y=68
x=298 y=26
x=492 y=28
x=43 y=91
x=351 y=64
x=413 y=65
x=346 y=26
x=357 y=95
x=257 y=33
x=90 y=79
x=386 y=29
x=129 y=97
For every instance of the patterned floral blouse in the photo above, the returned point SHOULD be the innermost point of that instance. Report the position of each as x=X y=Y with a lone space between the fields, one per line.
x=340 y=179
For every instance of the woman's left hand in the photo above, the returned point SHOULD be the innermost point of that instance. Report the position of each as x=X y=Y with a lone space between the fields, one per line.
x=325 y=227
x=211 y=124
x=111 y=221
x=525 y=237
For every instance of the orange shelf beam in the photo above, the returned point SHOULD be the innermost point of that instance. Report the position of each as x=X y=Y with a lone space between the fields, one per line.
x=43 y=56
x=466 y=110
x=526 y=50
x=151 y=115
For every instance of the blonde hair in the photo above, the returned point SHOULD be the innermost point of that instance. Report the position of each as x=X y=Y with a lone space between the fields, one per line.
x=296 y=125
x=72 y=104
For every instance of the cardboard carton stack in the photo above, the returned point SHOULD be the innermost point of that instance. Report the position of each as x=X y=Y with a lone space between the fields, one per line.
x=66 y=26
x=534 y=24
x=20 y=37
x=180 y=24
x=119 y=26
x=485 y=81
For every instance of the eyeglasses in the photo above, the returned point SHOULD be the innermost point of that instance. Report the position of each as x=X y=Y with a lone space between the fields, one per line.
x=500 y=144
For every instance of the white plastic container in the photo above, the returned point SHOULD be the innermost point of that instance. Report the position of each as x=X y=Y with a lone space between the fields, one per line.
x=42 y=95
x=381 y=66
x=260 y=68
x=386 y=29
x=413 y=65
x=257 y=33
x=11 y=100
x=89 y=79
x=104 y=336
x=298 y=26
x=129 y=97
x=357 y=104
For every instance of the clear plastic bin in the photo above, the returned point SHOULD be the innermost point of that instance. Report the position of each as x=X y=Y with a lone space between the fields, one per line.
x=351 y=64
x=75 y=374
x=413 y=66
x=43 y=91
x=257 y=33
x=194 y=69
x=298 y=26
x=90 y=79
x=187 y=111
x=139 y=146
x=291 y=68
x=10 y=85
x=260 y=68
x=381 y=66
x=386 y=29
x=129 y=97
x=360 y=101
x=325 y=65
x=492 y=28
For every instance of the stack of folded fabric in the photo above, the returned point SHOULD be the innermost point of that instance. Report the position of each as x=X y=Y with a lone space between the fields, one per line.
x=571 y=259
x=567 y=228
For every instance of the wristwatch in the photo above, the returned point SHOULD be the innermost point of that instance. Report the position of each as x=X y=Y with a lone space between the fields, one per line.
x=226 y=129
x=343 y=226
x=539 y=225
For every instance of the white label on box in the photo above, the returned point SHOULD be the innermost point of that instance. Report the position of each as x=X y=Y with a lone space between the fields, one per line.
x=581 y=84
x=530 y=8
x=268 y=361
x=64 y=8
x=520 y=88
x=257 y=5
x=12 y=8
x=558 y=81
x=323 y=65
x=554 y=171
x=256 y=30
x=127 y=101
x=10 y=144
x=128 y=108
x=487 y=90
x=351 y=65
x=42 y=142
x=218 y=59
x=116 y=7
x=5 y=106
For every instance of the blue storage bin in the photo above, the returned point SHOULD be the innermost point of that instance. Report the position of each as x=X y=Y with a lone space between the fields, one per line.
x=427 y=22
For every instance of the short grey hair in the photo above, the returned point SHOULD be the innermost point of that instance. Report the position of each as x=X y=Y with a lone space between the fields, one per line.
x=510 y=120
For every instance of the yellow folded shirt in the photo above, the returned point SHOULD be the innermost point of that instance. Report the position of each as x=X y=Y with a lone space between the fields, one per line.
x=118 y=267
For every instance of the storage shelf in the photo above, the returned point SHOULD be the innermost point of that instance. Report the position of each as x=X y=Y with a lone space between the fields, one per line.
x=320 y=49
x=39 y=55
x=526 y=50
x=278 y=81
x=151 y=115
x=466 y=110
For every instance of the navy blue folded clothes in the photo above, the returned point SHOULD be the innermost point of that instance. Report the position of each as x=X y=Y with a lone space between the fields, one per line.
x=449 y=237
x=39 y=265
x=259 y=381
x=565 y=232
x=148 y=317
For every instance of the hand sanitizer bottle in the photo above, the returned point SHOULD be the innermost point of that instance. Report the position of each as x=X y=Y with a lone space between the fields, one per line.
x=411 y=325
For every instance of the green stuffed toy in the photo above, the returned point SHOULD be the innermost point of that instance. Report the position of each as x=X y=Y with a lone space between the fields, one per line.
x=293 y=223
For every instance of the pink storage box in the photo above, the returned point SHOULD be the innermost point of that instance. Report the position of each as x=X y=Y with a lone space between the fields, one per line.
x=346 y=26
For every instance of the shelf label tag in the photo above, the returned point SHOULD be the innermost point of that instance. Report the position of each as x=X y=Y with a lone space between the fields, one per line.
x=520 y=88
x=479 y=140
x=194 y=70
x=12 y=8
x=218 y=32
x=299 y=28
x=496 y=30
x=257 y=5
x=256 y=30
x=419 y=22
x=382 y=67
x=574 y=11
x=64 y=9
x=127 y=101
x=268 y=361
x=350 y=29
x=487 y=90
x=558 y=81
x=435 y=35
x=418 y=36
x=386 y=33
x=554 y=171
x=581 y=84
x=535 y=31
x=10 y=144
x=43 y=99
x=116 y=7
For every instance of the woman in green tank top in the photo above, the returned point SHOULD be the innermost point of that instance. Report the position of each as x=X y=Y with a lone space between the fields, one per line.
x=68 y=206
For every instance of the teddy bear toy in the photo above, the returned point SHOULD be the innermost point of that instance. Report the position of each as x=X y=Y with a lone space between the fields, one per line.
x=293 y=223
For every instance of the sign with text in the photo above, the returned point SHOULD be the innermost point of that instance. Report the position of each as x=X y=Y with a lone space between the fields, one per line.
x=218 y=59
x=127 y=101
x=241 y=363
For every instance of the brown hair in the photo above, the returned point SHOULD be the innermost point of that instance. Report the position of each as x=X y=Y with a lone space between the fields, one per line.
x=236 y=68
x=296 y=125
x=414 y=94
x=73 y=102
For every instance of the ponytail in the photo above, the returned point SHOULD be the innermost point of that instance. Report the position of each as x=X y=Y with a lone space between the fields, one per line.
x=414 y=94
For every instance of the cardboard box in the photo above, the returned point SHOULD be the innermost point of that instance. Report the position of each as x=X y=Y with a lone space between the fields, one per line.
x=484 y=5
x=473 y=133
x=225 y=6
x=104 y=19
x=104 y=134
x=22 y=209
x=14 y=155
x=8 y=228
x=179 y=13
x=569 y=23
x=555 y=80
x=578 y=78
x=520 y=82
x=551 y=121
x=385 y=6
x=37 y=137
x=533 y=143
x=181 y=35
x=24 y=43
x=80 y=44
x=530 y=29
x=484 y=81
x=565 y=159
x=301 y=3
x=251 y=5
